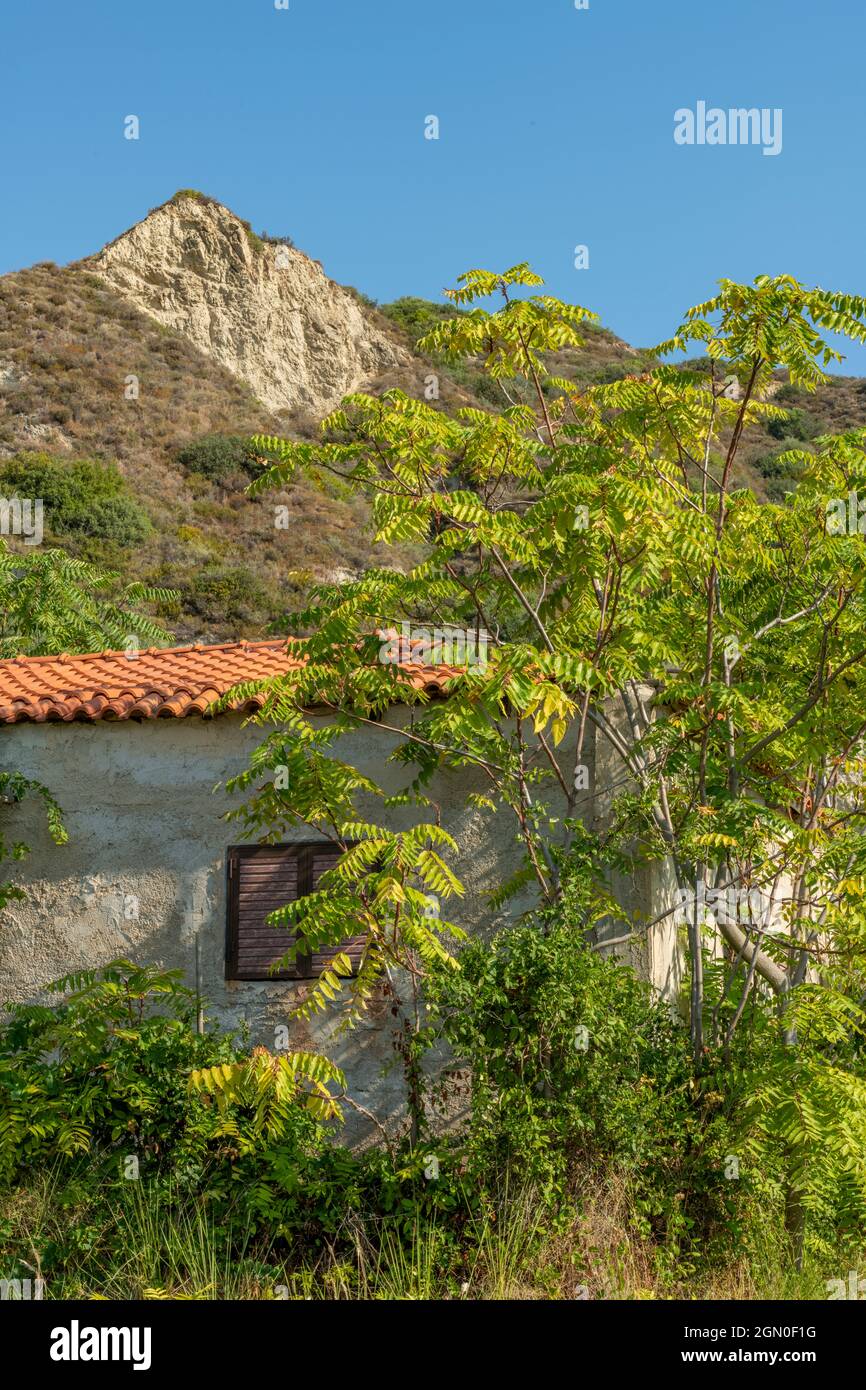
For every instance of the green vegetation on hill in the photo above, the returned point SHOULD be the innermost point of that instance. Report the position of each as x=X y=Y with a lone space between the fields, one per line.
x=415 y=317
x=218 y=457
x=80 y=497
x=70 y=348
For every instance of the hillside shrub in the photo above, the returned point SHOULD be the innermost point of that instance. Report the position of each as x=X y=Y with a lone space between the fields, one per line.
x=270 y=240
x=798 y=425
x=81 y=497
x=780 y=474
x=416 y=316
x=218 y=457
x=226 y=592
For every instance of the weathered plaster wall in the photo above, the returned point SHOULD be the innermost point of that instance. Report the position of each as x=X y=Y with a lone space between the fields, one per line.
x=144 y=871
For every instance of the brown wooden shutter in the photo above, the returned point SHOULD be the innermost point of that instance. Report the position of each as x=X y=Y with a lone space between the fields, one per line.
x=261 y=879
x=322 y=859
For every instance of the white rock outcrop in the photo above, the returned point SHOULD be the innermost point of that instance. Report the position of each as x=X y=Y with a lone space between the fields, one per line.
x=266 y=312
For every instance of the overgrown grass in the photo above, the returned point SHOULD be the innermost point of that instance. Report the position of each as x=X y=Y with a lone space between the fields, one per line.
x=165 y=1247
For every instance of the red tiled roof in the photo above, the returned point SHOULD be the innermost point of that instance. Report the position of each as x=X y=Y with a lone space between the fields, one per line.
x=159 y=683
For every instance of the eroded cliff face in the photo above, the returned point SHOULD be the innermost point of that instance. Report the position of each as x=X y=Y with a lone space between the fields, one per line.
x=267 y=313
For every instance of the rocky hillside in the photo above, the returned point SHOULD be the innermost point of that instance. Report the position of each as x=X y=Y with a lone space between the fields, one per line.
x=129 y=380
x=86 y=373
x=265 y=311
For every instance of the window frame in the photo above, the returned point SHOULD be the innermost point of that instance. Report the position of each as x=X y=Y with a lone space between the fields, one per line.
x=304 y=851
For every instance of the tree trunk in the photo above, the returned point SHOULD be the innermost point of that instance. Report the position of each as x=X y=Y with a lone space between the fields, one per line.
x=795 y=1225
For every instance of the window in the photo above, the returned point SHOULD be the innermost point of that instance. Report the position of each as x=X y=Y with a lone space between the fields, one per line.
x=262 y=878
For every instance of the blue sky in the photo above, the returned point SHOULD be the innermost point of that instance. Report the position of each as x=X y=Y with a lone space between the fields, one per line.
x=555 y=129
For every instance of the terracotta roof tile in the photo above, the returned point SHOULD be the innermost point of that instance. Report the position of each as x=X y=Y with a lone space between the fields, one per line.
x=159 y=683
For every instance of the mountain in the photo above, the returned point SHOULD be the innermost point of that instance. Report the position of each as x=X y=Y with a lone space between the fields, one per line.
x=134 y=358
x=129 y=380
x=266 y=312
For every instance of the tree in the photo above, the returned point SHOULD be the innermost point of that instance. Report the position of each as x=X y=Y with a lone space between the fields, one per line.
x=50 y=602
x=712 y=645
